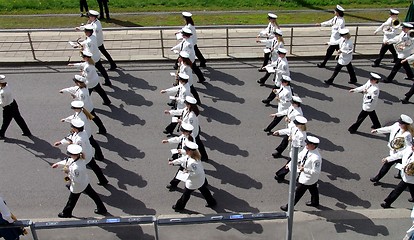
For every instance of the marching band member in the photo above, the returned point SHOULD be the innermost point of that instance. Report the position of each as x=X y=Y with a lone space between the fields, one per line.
x=187 y=45
x=268 y=33
x=404 y=45
x=189 y=22
x=371 y=92
x=295 y=133
x=80 y=137
x=337 y=23
x=309 y=168
x=388 y=28
x=274 y=42
x=283 y=95
x=88 y=71
x=81 y=93
x=280 y=67
x=10 y=110
x=75 y=168
x=400 y=138
x=81 y=114
x=196 y=179
x=410 y=93
x=185 y=67
x=346 y=48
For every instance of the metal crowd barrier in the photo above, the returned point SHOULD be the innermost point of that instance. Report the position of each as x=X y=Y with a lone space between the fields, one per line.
x=139 y=220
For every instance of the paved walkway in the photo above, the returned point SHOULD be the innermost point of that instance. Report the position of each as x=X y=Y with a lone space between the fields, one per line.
x=125 y=44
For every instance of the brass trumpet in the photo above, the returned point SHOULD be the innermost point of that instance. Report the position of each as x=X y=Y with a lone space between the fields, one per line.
x=397 y=143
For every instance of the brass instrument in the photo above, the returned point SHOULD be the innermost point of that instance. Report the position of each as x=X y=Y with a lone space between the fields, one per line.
x=397 y=143
x=395 y=23
x=409 y=169
x=88 y=114
x=66 y=170
x=411 y=33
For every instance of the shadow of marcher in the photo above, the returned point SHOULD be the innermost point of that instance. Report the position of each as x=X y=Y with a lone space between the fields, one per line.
x=348 y=198
x=129 y=152
x=219 y=94
x=133 y=83
x=335 y=171
x=131 y=232
x=130 y=97
x=302 y=91
x=120 y=114
x=122 y=23
x=215 y=143
x=312 y=113
x=39 y=148
x=124 y=176
x=351 y=221
x=212 y=113
x=215 y=75
x=327 y=145
x=229 y=176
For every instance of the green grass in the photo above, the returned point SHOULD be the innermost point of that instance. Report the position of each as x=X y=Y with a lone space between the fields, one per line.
x=12 y=7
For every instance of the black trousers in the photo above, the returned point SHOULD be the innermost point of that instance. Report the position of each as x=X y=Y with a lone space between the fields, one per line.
x=195 y=94
x=98 y=88
x=361 y=117
x=272 y=95
x=263 y=79
x=398 y=190
x=350 y=69
x=107 y=55
x=103 y=4
x=98 y=122
x=410 y=93
x=73 y=199
x=103 y=72
x=266 y=59
x=180 y=204
x=329 y=52
x=11 y=112
x=83 y=5
x=174 y=182
x=313 y=190
x=201 y=148
x=283 y=144
x=397 y=67
x=9 y=233
x=97 y=170
x=170 y=128
x=198 y=72
x=274 y=122
x=383 y=50
x=98 y=151
x=385 y=168
x=283 y=171
x=199 y=55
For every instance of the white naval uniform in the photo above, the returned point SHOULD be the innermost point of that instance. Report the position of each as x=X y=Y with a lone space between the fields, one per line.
x=188 y=117
x=284 y=95
x=6 y=97
x=182 y=91
x=196 y=170
x=90 y=44
x=81 y=94
x=193 y=37
x=186 y=45
x=187 y=70
x=387 y=29
x=297 y=138
x=290 y=114
x=312 y=166
x=88 y=72
x=395 y=131
x=346 y=46
x=371 y=93
x=406 y=156
x=271 y=27
x=97 y=31
x=273 y=44
x=402 y=40
x=81 y=139
x=182 y=139
x=79 y=179
x=337 y=23
x=87 y=125
x=281 y=67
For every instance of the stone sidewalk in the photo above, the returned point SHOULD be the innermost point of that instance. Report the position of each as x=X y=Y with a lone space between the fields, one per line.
x=144 y=44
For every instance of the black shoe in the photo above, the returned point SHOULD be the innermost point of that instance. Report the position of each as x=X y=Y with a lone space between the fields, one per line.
x=167 y=132
x=176 y=209
x=100 y=211
x=328 y=82
x=103 y=183
x=260 y=82
x=375 y=65
x=265 y=101
x=211 y=205
x=351 y=131
x=201 y=81
x=397 y=176
x=107 y=84
x=311 y=204
x=374 y=179
x=409 y=78
x=352 y=82
x=171 y=104
x=171 y=188
x=284 y=208
x=320 y=65
x=375 y=127
x=27 y=134
x=107 y=103
x=262 y=69
x=279 y=179
x=175 y=67
x=404 y=101
x=101 y=132
x=62 y=215
x=2 y=137
x=411 y=200
x=385 y=205
x=387 y=81
x=276 y=154
x=203 y=65
x=112 y=68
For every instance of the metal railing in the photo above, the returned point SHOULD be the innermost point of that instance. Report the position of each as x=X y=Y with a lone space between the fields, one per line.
x=232 y=38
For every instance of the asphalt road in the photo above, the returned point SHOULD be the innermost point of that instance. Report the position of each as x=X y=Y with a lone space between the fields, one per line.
x=241 y=167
